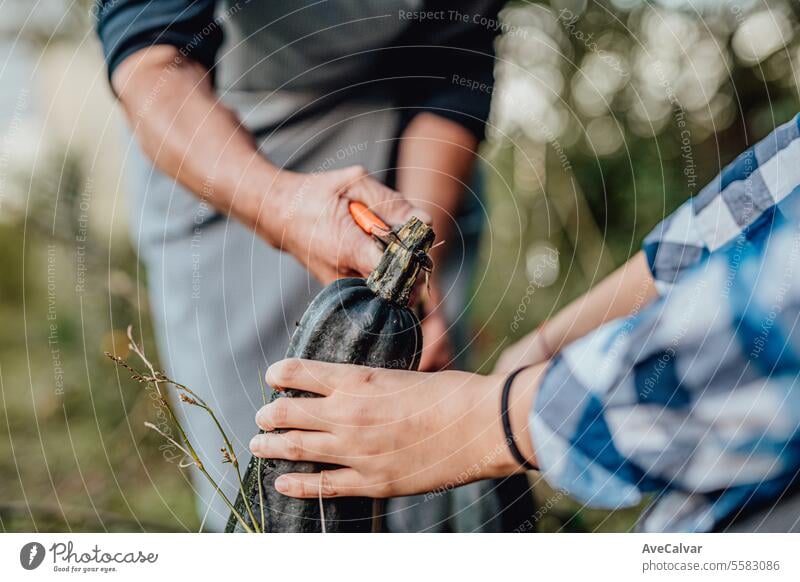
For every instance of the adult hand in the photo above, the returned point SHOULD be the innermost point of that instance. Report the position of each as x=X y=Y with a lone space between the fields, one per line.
x=191 y=136
x=394 y=432
x=311 y=220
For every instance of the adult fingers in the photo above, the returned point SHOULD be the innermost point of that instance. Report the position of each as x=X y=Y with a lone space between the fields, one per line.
x=296 y=445
x=299 y=413
x=308 y=375
x=339 y=483
x=324 y=378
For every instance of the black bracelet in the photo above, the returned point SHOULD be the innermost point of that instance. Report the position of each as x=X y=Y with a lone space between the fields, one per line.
x=511 y=440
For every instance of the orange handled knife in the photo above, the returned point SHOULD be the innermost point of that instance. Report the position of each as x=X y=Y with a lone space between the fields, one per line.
x=368 y=220
x=373 y=225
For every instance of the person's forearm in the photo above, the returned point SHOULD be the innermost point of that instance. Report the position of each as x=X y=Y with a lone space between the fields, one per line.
x=435 y=161
x=191 y=136
x=623 y=292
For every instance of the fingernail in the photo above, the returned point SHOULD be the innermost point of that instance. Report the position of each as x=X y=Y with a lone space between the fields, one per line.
x=282 y=484
x=253 y=444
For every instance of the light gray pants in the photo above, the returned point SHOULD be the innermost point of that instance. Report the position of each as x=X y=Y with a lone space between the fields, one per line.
x=224 y=303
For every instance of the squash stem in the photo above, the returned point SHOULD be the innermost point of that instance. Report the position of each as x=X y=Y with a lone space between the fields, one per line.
x=394 y=277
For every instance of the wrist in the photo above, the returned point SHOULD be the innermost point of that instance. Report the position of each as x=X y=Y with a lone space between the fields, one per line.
x=277 y=201
x=521 y=400
x=492 y=452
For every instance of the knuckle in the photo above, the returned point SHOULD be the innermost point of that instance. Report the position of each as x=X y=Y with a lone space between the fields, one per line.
x=279 y=412
x=287 y=371
x=293 y=443
x=327 y=485
x=303 y=488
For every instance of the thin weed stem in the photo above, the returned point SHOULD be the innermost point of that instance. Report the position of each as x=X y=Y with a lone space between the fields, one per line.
x=156 y=378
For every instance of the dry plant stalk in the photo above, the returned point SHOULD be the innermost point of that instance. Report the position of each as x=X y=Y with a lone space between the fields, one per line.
x=158 y=379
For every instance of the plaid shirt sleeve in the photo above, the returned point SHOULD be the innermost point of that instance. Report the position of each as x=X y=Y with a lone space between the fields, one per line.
x=694 y=397
x=737 y=203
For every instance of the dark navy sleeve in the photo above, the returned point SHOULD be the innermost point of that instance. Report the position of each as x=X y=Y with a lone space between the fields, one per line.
x=448 y=63
x=125 y=26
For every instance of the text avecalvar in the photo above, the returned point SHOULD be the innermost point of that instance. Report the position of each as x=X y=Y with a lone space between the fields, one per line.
x=671 y=549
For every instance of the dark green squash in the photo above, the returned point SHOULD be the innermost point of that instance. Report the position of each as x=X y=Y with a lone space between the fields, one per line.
x=353 y=321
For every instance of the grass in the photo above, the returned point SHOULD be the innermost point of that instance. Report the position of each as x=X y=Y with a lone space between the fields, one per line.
x=74 y=455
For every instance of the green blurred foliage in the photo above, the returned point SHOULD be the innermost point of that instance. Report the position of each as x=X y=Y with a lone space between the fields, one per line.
x=75 y=456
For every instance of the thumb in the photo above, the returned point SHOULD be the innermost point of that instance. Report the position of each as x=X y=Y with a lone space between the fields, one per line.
x=390 y=205
x=363 y=251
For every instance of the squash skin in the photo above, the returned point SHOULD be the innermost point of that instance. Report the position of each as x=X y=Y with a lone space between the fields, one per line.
x=352 y=321
x=372 y=332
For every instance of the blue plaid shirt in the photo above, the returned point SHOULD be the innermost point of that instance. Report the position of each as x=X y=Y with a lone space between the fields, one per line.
x=693 y=398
